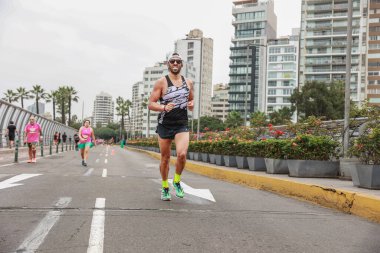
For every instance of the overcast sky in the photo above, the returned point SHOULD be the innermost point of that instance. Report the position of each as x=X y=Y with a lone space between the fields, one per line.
x=97 y=45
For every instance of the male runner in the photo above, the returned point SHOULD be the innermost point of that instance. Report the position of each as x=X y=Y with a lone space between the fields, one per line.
x=32 y=135
x=175 y=96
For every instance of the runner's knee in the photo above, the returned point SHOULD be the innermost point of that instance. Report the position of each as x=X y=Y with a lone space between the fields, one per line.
x=181 y=155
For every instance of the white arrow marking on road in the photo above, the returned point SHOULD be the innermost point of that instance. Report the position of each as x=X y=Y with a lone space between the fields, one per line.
x=201 y=193
x=88 y=172
x=11 y=181
x=105 y=161
x=97 y=160
x=37 y=237
x=104 y=173
x=96 y=241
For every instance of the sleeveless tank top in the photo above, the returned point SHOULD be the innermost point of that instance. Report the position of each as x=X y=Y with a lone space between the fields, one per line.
x=86 y=133
x=179 y=96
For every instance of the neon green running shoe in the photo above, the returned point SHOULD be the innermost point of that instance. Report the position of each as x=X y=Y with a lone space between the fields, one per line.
x=178 y=190
x=165 y=194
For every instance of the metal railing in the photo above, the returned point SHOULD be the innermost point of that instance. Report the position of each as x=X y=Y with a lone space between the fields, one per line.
x=20 y=117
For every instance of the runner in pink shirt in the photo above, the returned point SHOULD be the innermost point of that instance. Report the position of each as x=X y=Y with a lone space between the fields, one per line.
x=33 y=134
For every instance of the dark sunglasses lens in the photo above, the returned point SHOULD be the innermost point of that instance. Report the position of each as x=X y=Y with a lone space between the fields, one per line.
x=173 y=61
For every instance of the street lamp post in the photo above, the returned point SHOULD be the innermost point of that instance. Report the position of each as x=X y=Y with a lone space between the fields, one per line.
x=199 y=89
x=347 y=93
x=253 y=74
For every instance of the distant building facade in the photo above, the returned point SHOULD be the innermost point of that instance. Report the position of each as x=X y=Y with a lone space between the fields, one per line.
x=104 y=107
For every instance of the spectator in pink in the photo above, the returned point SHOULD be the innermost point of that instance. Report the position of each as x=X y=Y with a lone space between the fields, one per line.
x=32 y=135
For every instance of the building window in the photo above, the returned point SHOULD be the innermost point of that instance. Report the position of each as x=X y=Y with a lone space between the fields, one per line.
x=190 y=45
x=272 y=83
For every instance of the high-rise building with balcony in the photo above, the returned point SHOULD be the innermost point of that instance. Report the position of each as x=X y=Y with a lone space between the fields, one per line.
x=103 y=109
x=282 y=71
x=219 y=102
x=136 y=109
x=323 y=43
x=198 y=51
x=254 y=22
x=373 y=88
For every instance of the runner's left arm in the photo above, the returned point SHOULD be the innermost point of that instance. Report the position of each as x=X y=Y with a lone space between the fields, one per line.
x=93 y=136
x=190 y=103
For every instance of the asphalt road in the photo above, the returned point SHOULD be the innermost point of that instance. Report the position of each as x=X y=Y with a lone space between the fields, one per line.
x=114 y=205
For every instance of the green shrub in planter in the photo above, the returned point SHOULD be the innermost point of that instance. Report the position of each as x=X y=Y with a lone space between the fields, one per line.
x=310 y=147
x=224 y=147
x=251 y=148
x=275 y=148
x=367 y=146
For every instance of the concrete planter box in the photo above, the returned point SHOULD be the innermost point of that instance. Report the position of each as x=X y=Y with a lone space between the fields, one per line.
x=366 y=176
x=197 y=156
x=256 y=164
x=212 y=158
x=242 y=162
x=205 y=157
x=219 y=160
x=230 y=160
x=276 y=166
x=191 y=155
x=345 y=167
x=313 y=168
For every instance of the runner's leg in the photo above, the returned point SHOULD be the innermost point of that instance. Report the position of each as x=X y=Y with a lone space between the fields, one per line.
x=165 y=157
x=182 y=144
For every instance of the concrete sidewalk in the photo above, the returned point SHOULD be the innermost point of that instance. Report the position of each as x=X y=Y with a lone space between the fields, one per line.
x=332 y=193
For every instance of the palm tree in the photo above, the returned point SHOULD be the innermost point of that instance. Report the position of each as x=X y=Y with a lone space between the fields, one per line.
x=10 y=96
x=62 y=99
x=52 y=97
x=39 y=94
x=72 y=96
x=22 y=94
x=122 y=109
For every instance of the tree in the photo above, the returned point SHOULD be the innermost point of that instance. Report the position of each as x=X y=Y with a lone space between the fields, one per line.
x=105 y=133
x=75 y=122
x=122 y=109
x=258 y=119
x=38 y=94
x=71 y=97
x=22 y=94
x=62 y=100
x=10 y=96
x=320 y=99
x=52 y=97
x=234 y=119
x=208 y=123
x=281 y=117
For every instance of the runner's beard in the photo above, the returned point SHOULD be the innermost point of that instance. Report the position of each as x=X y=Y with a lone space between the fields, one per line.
x=175 y=70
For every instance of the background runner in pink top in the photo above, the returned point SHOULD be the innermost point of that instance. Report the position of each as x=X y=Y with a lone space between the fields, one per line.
x=32 y=132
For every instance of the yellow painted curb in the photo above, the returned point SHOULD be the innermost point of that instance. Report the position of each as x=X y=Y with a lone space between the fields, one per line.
x=342 y=200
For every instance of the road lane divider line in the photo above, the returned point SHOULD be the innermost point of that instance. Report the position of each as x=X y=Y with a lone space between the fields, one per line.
x=106 y=161
x=96 y=240
x=97 y=160
x=104 y=173
x=88 y=172
x=37 y=237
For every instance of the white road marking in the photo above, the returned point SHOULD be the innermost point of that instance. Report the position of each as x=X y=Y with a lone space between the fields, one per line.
x=11 y=182
x=88 y=172
x=201 y=193
x=96 y=241
x=97 y=160
x=104 y=173
x=37 y=237
x=106 y=161
x=106 y=155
